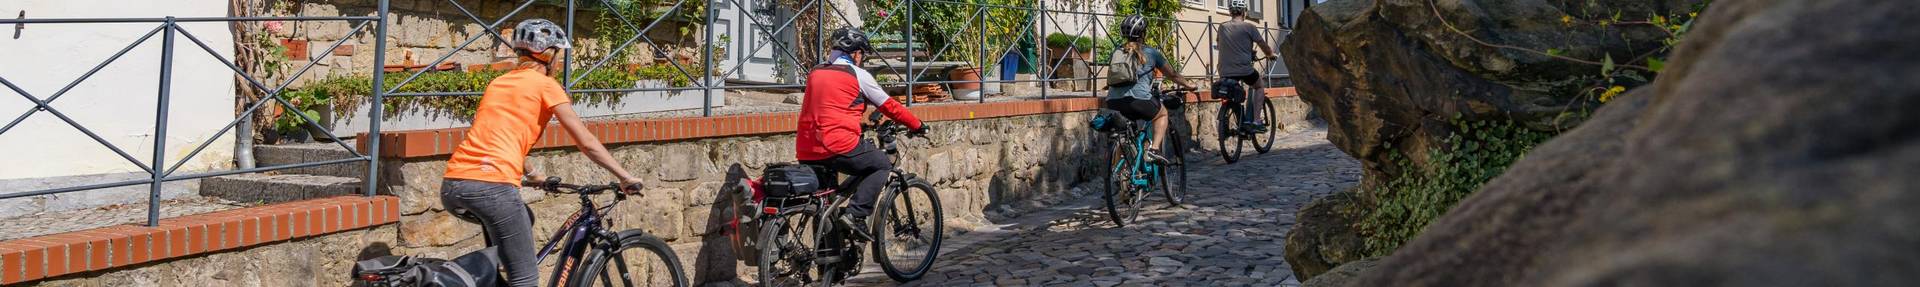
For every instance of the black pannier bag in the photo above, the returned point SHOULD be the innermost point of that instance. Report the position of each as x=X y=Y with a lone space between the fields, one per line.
x=480 y=268
x=790 y=180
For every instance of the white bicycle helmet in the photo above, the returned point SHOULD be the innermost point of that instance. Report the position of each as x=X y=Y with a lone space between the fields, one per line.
x=538 y=35
x=1237 y=7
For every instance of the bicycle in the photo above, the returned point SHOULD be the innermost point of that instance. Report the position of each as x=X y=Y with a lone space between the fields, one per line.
x=1129 y=175
x=589 y=244
x=795 y=248
x=1232 y=125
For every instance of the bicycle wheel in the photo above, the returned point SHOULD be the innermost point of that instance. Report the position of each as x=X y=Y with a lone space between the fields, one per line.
x=1228 y=125
x=1267 y=115
x=637 y=259
x=1120 y=194
x=1175 y=181
x=907 y=227
x=786 y=250
x=837 y=256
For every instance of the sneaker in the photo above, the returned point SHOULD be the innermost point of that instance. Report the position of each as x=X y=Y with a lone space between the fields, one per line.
x=858 y=224
x=1154 y=157
x=1256 y=127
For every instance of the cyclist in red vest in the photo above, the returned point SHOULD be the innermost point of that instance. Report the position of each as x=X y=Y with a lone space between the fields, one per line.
x=838 y=93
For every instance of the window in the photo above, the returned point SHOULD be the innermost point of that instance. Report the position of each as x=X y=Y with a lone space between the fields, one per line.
x=1253 y=8
x=1195 y=4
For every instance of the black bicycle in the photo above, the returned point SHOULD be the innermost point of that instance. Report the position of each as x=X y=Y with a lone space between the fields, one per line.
x=1236 y=118
x=592 y=255
x=799 y=243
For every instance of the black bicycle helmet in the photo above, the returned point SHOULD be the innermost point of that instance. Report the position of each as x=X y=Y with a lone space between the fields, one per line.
x=1134 y=27
x=850 y=39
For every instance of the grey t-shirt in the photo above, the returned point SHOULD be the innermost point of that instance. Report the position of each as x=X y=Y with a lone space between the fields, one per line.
x=1236 y=46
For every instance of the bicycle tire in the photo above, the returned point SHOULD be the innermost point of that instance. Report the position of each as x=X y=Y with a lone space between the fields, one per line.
x=1228 y=126
x=884 y=215
x=1273 y=129
x=1175 y=185
x=1119 y=173
x=773 y=248
x=596 y=267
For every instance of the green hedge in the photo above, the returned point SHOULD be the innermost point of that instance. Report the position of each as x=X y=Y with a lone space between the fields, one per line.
x=348 y=92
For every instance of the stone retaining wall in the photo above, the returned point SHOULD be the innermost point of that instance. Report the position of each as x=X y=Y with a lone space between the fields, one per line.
x=1028 y=150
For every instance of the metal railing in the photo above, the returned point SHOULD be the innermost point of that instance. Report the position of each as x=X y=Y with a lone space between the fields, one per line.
x=157 y=170
x=1193 y=49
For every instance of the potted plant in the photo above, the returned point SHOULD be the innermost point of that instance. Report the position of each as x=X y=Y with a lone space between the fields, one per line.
x=314 y=104
x=1058 y=46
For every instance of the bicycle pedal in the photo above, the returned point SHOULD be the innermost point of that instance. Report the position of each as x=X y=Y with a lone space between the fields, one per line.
x=827 y=260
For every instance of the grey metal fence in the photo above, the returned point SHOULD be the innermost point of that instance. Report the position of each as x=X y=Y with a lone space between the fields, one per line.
x=157 y=170
x=1194 y=49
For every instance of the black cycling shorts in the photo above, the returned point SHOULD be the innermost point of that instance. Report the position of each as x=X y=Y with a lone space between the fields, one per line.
x=1252 y=80
x=1136 y=109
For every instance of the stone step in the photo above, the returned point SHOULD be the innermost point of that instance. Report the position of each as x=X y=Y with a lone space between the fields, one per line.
x=275 y=188
x=277 y=155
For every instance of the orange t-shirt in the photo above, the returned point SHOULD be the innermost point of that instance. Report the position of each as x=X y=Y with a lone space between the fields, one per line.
x=513 y=112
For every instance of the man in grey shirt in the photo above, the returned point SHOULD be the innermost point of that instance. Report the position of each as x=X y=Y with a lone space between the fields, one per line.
x=1237 y=38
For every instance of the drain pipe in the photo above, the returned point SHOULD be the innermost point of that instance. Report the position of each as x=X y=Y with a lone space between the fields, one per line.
x=243 y=145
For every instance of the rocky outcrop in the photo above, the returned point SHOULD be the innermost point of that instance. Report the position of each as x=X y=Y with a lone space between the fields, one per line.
x=1778 y=149
x=1391 y=76
x=1340 y=276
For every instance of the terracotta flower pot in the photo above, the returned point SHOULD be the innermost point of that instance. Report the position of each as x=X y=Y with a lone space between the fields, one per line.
x=969 y=78
x=921 y=93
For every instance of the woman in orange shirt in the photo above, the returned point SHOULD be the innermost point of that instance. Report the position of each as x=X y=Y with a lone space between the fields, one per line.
x=483 y=176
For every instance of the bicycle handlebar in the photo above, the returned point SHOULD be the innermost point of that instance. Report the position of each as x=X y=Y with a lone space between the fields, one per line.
x=553 y=185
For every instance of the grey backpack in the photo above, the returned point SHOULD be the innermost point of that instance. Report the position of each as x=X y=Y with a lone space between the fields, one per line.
x=1124 y=68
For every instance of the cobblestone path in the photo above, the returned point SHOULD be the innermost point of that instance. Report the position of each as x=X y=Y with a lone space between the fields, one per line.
x=1230 y=232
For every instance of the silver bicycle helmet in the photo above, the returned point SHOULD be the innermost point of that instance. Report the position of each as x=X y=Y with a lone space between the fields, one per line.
x=538 y=35
x=1237 y=7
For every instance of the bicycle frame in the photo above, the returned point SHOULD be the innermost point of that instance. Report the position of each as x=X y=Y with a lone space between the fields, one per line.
x=1138 y=161
x=578 y=232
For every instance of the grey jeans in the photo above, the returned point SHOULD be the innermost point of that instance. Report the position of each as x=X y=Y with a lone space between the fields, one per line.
x=506 y=219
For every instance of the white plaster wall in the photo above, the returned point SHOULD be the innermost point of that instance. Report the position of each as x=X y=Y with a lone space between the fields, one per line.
x=119 y=102
x=1076 y=24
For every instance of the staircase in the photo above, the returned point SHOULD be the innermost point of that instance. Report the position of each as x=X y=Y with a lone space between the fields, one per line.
x=291 y=184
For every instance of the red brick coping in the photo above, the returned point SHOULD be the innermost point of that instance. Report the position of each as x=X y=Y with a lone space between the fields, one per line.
x=437 y=142
x=53 y=255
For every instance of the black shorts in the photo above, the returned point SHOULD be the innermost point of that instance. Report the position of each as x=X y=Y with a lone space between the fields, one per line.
x=1248 y=79
x=1136 y=109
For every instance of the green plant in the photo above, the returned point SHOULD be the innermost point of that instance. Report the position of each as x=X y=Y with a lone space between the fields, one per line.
x=622 y=19
x=958 y=31
x=1480 y=151
x=305 y=102
x=348 y=92
x=1062 y=40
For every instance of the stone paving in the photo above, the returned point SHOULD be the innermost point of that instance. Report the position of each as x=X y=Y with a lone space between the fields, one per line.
x=1230 y=233
x=76 y=220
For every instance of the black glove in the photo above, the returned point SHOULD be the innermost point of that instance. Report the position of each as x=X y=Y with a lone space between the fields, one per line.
x=632 y=188
x=921 y=132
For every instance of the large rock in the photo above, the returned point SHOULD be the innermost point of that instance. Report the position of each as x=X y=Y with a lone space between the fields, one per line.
x=1391 y=76
x=1778 y=150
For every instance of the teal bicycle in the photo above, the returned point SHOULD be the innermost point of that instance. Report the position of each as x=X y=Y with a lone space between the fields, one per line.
x=1130 y=177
